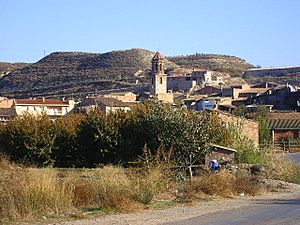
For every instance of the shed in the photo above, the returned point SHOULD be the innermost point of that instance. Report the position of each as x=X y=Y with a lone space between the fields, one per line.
x=220 y=153
x=284 y=125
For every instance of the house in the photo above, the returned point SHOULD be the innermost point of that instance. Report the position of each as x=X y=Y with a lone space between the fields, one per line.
x=281 y=97
x=6 y=103
x=107 y=104
x=7 y=114
x=208 y=90
x=284 y=125
x=112 y=105
x=51 y=107
x=234 y=91
x=123 y=96
x=254 y=92
x=200 y=105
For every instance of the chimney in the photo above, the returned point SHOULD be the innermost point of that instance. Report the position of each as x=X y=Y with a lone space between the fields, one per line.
x=43 y=99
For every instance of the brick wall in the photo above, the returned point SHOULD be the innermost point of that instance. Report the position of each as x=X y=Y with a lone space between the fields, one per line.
x=280 y=134
x=250 y=128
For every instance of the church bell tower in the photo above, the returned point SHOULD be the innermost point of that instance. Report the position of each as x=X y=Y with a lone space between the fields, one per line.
x=158 y=82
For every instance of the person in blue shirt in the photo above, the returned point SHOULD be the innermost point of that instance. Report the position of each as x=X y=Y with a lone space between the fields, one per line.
x=214 y=166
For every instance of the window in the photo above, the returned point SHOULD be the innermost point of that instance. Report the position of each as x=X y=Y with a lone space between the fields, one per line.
x=160 y=80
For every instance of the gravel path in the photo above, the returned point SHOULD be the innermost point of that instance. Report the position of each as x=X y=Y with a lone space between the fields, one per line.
x=151 y=217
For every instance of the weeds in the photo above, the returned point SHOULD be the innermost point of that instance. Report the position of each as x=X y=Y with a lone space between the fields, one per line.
x=31 y=193
x=281 y=169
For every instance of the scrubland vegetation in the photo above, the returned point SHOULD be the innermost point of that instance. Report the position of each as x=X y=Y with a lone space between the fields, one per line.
x=132 y=161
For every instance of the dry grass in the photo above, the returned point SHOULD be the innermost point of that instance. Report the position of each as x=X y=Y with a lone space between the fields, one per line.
x=146 y=184
x=31 y=193
x=222 y=184
x=281 y=169
x=113 y=189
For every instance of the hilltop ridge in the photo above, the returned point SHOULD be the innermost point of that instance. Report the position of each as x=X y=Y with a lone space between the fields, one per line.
x=81 y=73
x=232 y=65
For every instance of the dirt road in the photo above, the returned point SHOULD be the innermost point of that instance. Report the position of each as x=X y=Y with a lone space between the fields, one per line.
x=277 y=204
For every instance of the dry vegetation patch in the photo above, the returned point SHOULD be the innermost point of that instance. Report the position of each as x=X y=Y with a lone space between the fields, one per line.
x=32 y=193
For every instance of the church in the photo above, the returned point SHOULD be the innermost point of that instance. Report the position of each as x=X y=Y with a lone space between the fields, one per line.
x=161 y=83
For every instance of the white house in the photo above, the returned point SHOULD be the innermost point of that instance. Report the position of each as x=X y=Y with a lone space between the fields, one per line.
x=51 y=107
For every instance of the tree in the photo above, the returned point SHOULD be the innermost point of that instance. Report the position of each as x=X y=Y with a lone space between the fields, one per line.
x=29 y=139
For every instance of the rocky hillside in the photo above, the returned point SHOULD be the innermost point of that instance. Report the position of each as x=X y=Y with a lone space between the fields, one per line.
x=5 y=67
x=75 y=73
x=79 y=73
x=222 y=63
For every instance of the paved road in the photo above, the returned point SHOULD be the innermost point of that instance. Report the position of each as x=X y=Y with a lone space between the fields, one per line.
x=271 y=212
x=295 y=157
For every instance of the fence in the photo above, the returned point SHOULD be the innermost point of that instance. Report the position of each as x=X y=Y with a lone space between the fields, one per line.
x=286 y=145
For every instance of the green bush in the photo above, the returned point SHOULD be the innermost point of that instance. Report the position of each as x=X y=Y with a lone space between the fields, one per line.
x=78 y=140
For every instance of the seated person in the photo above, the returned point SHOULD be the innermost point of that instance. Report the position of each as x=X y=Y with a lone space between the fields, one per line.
x=214 y=166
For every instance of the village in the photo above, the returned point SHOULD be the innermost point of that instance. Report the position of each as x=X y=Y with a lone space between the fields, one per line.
x=197 y=89
x=149 y=112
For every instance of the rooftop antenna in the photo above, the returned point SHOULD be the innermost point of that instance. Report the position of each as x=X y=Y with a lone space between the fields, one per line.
x=44 y=52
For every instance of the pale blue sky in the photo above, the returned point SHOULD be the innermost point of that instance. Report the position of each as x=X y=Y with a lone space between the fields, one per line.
x=264 y=32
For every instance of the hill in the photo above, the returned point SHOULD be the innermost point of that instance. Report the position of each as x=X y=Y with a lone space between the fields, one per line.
x=8 y=67
x=68 y=73
x=231 y=65
x=79 y=73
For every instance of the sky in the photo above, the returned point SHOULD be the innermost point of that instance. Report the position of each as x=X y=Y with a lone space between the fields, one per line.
x=263 y=32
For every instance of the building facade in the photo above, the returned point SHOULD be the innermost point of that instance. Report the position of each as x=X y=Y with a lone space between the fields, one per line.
x=51 y=107
x=161 y=83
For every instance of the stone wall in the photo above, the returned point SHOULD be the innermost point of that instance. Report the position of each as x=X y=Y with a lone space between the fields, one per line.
x=276 y=71
x=250 y=128
x=183 y=83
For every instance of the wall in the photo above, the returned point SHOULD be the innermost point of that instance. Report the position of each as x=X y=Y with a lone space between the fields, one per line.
x=250 y=128
x=128 y=97
x=279 y=134
x=180 y=83
x=280 y=71
x=6 y=103
x=166 y=97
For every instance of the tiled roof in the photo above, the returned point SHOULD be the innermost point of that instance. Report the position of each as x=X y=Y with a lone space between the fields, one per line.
x=255 y=90
x=40 y=102
x=288 y=120
x=291 y=124
x=284 y=115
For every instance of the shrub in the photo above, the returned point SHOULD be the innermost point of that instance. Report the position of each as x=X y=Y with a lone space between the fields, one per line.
x=247 y=184
x=247 y=152
x=148 y=183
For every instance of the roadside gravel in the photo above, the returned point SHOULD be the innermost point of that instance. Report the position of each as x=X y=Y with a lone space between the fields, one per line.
x=151 y=217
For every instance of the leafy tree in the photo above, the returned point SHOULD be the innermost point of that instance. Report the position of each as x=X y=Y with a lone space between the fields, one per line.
x=66 y=152
x=29 y=139
x=98 y=138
